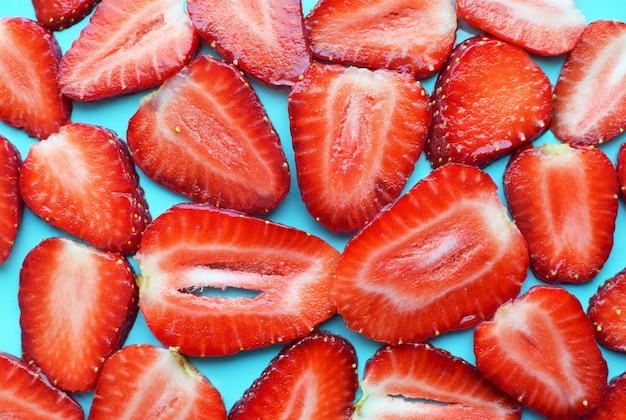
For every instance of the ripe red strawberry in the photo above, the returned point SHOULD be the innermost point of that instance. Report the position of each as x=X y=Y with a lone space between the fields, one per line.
x=448 y=243
x=540 y=348
x=607 y=311
x=544 y=28
x=314 y=378
x=490 y=99
x=611 y=407
x=280 y=277
x=149 y=382
x=57 y=15
x=421 y=381
x=30 y=97
x=205 y=134
x=415 y=37
x=350 y=165
x=564 y=201
x=81 y=180
x=11 y=204
x=26 y=394
x=621 y=169
x=127 y=46
x=265 y=38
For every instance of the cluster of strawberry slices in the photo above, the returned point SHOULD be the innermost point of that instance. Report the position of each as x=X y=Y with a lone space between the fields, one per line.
x=217 y=274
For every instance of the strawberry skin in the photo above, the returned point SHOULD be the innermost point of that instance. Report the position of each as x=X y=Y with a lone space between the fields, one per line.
x=447 y=243
x=490 y=99
x=621 y=170
x=150 y=382
x=82 y=181
x=348 y=164
x=540 y=348
x=57 y=15
x=315 y=378
x=30 y=97
x=564 y=200
x=607 y=311
x=612 y=405
x=191 y=247
x=11 y=204
x=205 y=134
x=126 y=47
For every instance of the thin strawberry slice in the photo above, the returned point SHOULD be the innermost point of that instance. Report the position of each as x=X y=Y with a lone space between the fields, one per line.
x=414 y=37
x=314 y=378
x=350 y=165
x=149 y=382
x=590 y=93
x=441 y=258
x=26 y=394
x=29 y=60
x=540 y=348
x=216 y=281
x=127 y=46
x=57 y=15
x=422 y=381
x=11 y=205
x=205 y=134
x=621 y=170
x=545 y=28
x=611 y=407
x=607 y=311
x=564 y=201
x=490 y=99
x=82 y=181
x=265 y=38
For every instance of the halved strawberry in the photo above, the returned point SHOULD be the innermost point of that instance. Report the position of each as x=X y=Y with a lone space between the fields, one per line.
x=30 y=97
x=607 y=311
x=414 y=37
x=621 y=169
x=149 y=382
x=81 y=180
x=57 y=15
x=422 y=381
x=26 y=394
x=11 y=204
x=127 y=46
x=540 y=348
x=356 y=136
x=442 y=257
x=265 y=38
x=490 y=99
x=564 y=201
x=611 y=407
x=216 y=282
x=545 y=28
x=314 y=378
x=205 y=134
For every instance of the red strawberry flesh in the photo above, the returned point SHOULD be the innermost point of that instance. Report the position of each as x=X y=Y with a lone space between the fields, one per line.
x=11 y=205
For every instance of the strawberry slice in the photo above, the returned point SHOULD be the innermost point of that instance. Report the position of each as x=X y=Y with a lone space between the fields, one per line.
x=607 y=311
x=11 y=205
x=81 y=180
x=149 y=382
x=621 y=169
x=315 y=378
x=564 y=201
x=26 y=394
x=205 y=134
x=545 y=28
x=414 y=37
x=540 y=348
x=265 y=38
x=612 y=405
x=215 y=281
x=57 y=15
x=34 y=70
x=442 y=257
x=127 y=46
x=422 y=381
x=590 y=93
x=490 y=100
x=348 y=164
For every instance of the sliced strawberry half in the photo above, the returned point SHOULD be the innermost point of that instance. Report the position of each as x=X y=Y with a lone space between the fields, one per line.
x=265 y=38
x=414 y=37
x=11 y=205
x=205 y=134
x=127 y=46
x=422 y=381
x=564 y=201
x=146 y=381
x=350 y=165
x=315 y=378
x=590 y=93
x=490 y=99
x=81 y=180
x=621 y=170
x=613 y=402
x=57 y=15
x=442 y=257
x=607 y=311
x=216 y=281
x=543 y=28
x=30 y=97
x=540 y=348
